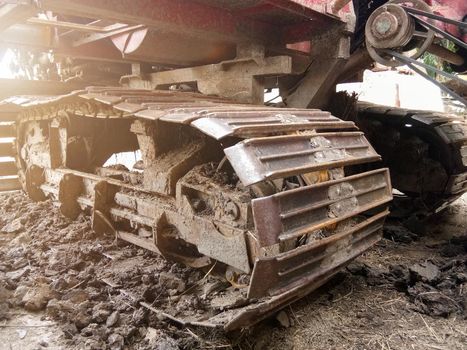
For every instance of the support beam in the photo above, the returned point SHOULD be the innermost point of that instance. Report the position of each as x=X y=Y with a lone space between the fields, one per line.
x=241 y=79
x=67 y=25
x=40 y=38
x=173 y=32
x=180 y=16
x=198 y=20
x=314 y=88
x=11 y=14
x=9 y=87
x=112 y=30
x=309 y=9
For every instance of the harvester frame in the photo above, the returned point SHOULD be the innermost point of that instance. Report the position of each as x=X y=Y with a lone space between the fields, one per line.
x=277 y=200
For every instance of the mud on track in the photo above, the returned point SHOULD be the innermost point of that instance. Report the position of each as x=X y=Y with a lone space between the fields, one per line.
x=63 y=287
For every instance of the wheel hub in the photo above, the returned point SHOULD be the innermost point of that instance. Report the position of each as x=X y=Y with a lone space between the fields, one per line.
x=389 y=26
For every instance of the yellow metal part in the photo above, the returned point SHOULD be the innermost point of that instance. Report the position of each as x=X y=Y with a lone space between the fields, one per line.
x=316 y=177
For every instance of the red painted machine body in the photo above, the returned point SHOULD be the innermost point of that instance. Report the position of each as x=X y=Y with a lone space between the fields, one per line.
x=178 y=32
x=453 y=9
x=198 y=32
x=185 y=32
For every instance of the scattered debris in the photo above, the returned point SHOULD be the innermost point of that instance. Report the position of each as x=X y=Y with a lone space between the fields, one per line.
x=398 y=233
x=14 y=226
x=425 y=272
x=108 y=296
x=22 y=333
x=112 y=319
x=435 y=288
x=115 y=341
x=37 y=297
x=158 y=340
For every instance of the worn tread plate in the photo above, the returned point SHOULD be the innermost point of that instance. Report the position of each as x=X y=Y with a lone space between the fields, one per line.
x=6 y=149
x=247 y=124
x=219 y=129
x=188 y=115
x=7 y=130
x=9 y=111
x=8 y=168
x=274 y=275
x=434 y=119
x=9 y=184
x=294 y=213
x=259 y=159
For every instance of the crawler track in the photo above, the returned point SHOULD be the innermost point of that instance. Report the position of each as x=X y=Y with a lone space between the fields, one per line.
x=267 y=197
x=425 y=151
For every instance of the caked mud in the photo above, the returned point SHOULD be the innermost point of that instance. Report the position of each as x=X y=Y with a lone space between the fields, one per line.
x=65 y=287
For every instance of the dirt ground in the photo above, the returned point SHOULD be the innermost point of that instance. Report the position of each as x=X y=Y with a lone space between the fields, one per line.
x=63 y=287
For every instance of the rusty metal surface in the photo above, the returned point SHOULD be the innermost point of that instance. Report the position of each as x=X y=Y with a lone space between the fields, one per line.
x=8 y=168
x=179 y=32
x=8 y=112
x=7 y=130
x=110 y=95
x=274 y=275
x=6 y=148
x=298 y=212
x=249 y=124
x=217 y=117
x=9 y=184
x=242 y=78
x=187 y=205
x=147 y=103
x=16 y=104
x=188 y=115
x=259 y=159
x=137 y=103
x=11 y=13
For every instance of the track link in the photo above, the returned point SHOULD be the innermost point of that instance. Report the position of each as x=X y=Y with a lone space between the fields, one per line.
x=264 y=195
x=426 y=153
x=8 y=171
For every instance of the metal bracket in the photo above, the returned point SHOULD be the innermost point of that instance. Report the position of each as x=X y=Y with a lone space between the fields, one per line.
x=240 y=79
